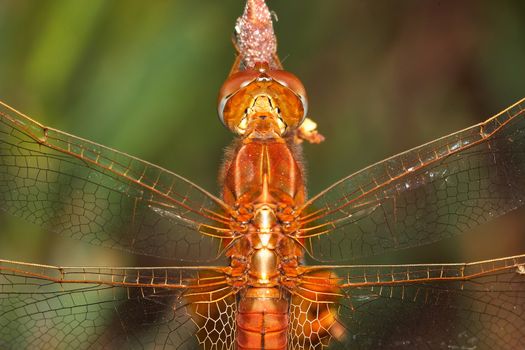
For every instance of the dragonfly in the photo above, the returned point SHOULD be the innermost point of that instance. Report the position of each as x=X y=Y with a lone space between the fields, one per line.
x=241 y=279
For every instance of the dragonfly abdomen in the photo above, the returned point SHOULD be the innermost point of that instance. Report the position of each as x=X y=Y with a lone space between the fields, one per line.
x=262 y=319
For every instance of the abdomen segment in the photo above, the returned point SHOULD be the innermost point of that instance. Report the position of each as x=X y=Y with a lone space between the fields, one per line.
x=262 y=320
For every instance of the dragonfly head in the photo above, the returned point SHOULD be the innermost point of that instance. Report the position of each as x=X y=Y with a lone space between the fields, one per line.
x=261 y=98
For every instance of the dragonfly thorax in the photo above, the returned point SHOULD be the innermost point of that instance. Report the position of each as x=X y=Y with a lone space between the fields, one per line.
x=263 y=253
x=263 y=259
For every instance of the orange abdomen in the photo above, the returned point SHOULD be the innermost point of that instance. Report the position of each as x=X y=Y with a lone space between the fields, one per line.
x=262 y=323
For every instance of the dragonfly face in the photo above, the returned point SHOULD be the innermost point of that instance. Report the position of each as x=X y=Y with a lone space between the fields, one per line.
x=259 y=92
x=263 y=225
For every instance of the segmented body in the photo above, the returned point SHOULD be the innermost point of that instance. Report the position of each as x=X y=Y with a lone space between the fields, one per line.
x=264 y=181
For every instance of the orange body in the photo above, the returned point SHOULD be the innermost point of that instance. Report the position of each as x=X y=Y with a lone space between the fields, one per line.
x=262 y=321
x=264 y=181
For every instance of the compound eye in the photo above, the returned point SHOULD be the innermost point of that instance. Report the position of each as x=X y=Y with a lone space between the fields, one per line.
x=293 y=83
x=233 y=84
x=289 y=80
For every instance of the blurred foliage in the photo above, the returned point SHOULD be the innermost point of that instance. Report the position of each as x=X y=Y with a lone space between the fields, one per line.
x=142 y=77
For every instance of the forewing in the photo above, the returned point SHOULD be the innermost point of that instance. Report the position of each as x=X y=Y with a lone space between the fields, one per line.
x=47 y=307
x=423 y=195
x=102 y=196
x=453 y=306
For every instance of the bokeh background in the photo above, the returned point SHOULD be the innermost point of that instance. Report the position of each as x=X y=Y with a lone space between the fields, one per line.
x=142 y=77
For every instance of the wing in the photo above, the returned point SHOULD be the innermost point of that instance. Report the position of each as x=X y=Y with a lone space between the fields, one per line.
x=47 y=307
x=101 y=196
x=452 y=306
x=423 y=195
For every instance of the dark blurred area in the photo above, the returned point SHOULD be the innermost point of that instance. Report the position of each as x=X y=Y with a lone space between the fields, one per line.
x=142 y=77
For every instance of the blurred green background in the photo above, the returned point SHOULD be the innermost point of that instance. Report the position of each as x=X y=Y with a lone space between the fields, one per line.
x=142 y=77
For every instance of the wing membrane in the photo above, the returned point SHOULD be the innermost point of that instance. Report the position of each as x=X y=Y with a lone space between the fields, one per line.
x=423 y=195
x=47 y=307
x=104 y=197
x=480 y=305
x=440 y=306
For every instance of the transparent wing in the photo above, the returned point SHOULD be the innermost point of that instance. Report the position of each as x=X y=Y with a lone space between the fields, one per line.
x=449 y=306
x=47 y=307
x=423 y=195
x=104 y=197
